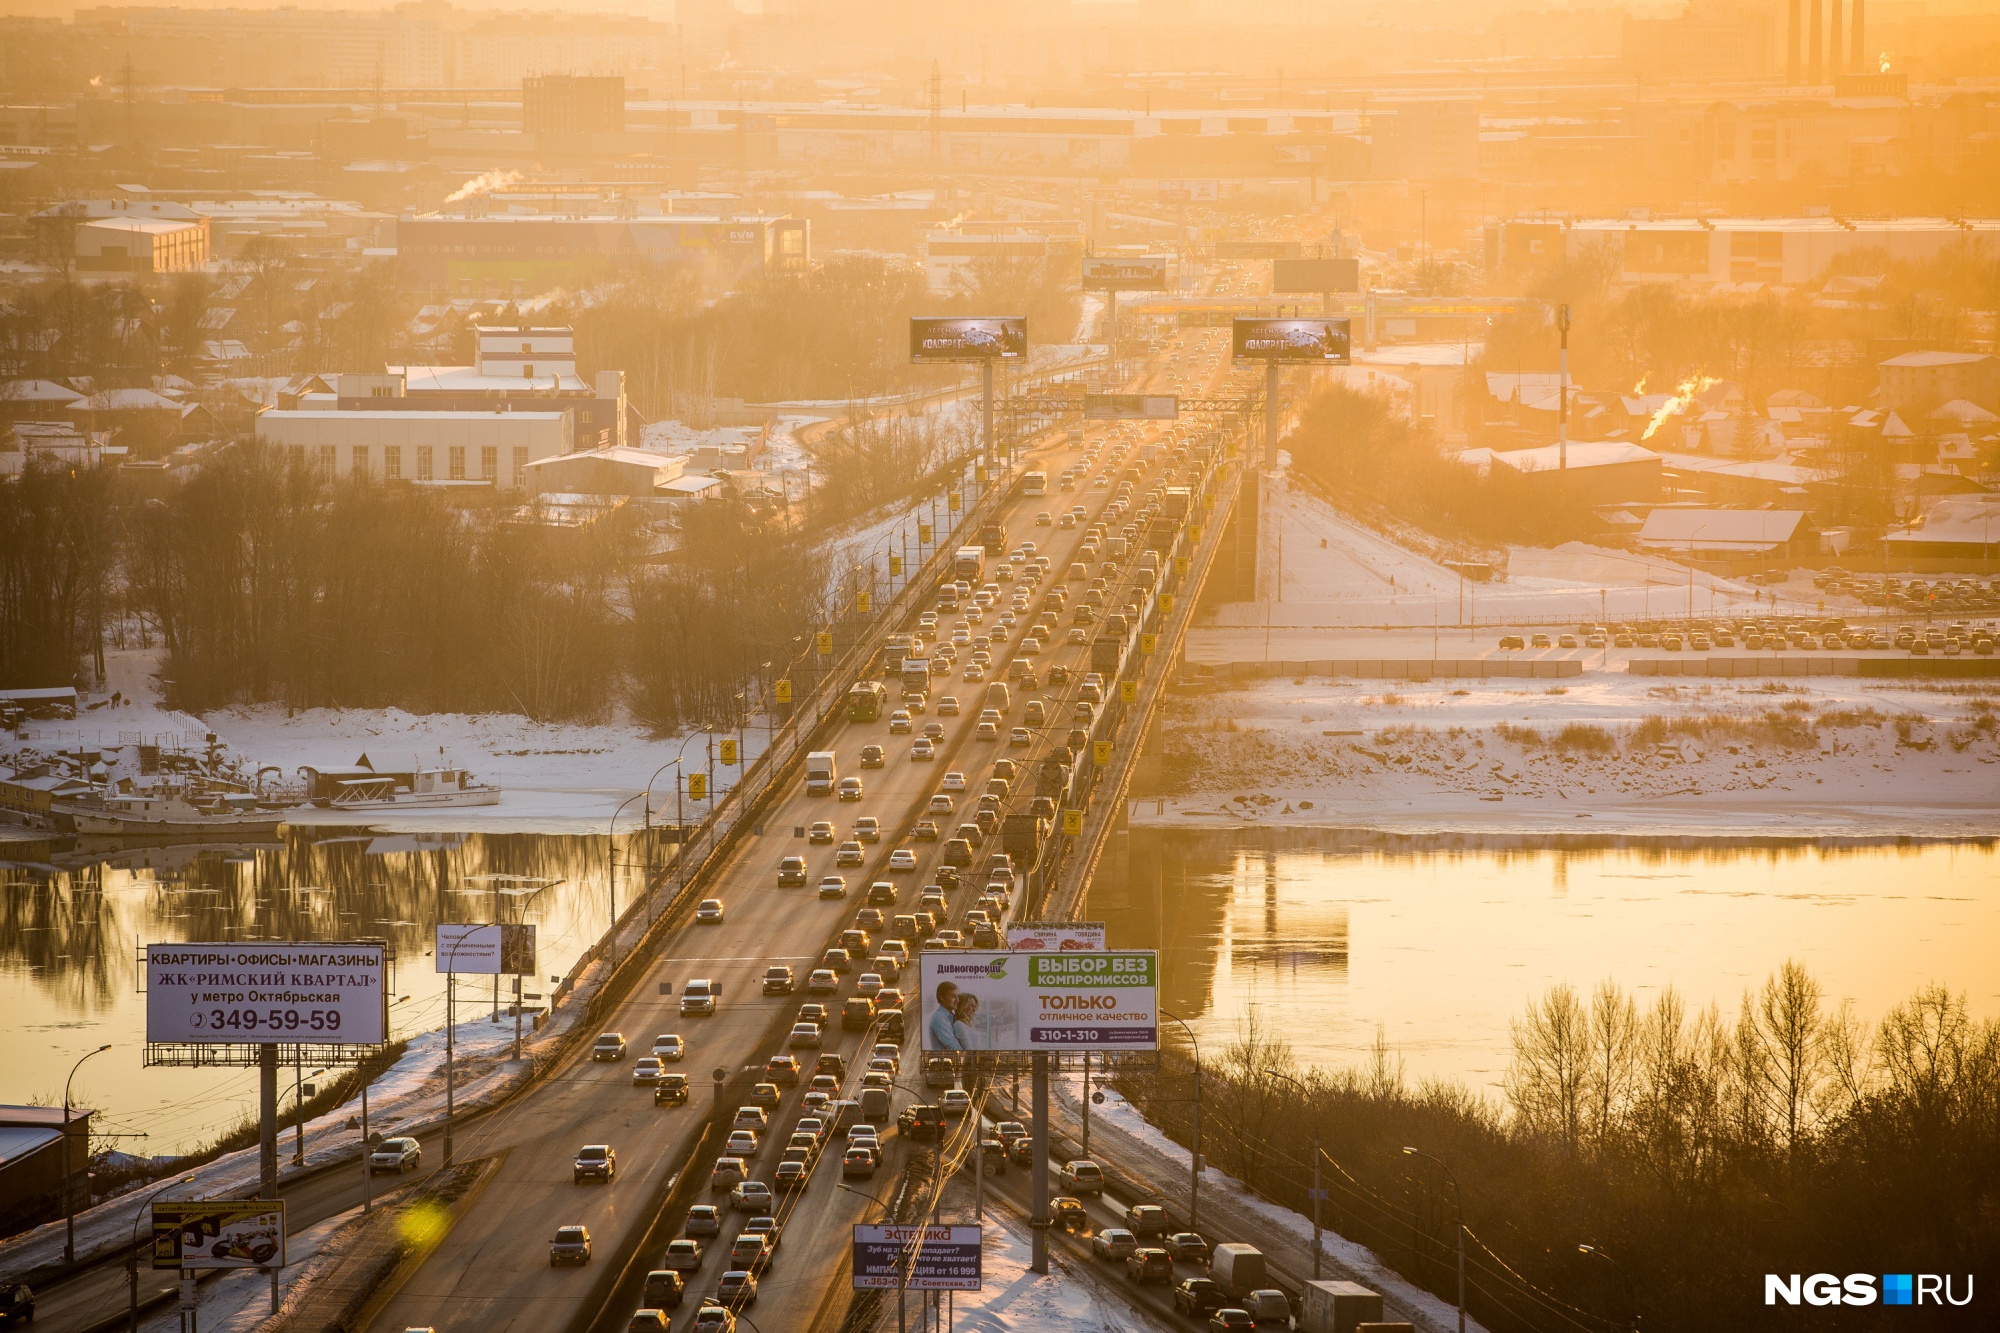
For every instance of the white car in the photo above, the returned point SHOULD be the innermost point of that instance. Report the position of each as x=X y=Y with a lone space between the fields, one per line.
x=398 y=1155
x=647 y=1070
x=669 y=1046
x=899 y=722
x=868 y=983
x=902 y=859
x=709 y=912
x=942 y=804
x=953 y=781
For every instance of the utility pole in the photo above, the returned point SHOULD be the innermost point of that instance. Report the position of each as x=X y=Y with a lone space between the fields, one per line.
x=1562 y=389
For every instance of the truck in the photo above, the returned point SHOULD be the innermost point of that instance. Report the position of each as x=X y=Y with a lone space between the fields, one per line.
x=865 y=699
x=1107 y=653
x=1021 y=836
x=1034 y=485
x=1052 y=779
x=1177 y=503
x=875 y=1103
x=1238 y=1268
x=822 y=772
x=916 y=678
x=997 y=696
x=1337 y=1307
x=993 y=536
x=969 y=563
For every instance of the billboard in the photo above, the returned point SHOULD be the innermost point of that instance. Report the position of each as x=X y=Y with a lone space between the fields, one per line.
x=1055 y=936
x=968 y=338
x=941 y=1258
x=1125 y=273
x=1075 y=1001
x=1189 y=192
x=1300 y=277
x=1131 y=407
x=504 y=950
x=1259 y=249
x=219 y=1233
x=265 y=994
x=1322 y=340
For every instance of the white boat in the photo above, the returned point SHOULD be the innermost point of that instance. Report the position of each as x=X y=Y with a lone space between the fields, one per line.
x=165 y=813
x=423 y=789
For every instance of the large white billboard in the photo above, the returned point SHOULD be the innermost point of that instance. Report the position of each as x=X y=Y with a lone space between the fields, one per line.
x=504 y=950
x=968 y=338
x=262 y=994
x=1074 y=1001
x=1056 y=937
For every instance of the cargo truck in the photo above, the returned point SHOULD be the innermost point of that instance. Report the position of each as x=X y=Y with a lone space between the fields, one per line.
x=1107 y=653
x=1238 y=1268
x=916 y=680
x=822 y=771
x=969 y=563
x=1338 y=1307
x=1021 y=836
x=993 y=536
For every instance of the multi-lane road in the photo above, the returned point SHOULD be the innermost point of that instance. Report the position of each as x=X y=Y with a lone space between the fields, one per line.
x=491 y=1271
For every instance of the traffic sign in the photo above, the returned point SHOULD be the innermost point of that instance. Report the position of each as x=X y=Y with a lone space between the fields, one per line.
x=697 y=786
x=864 y=602
x=728 y=755
x=1100 y=753
x=953 y=501
x=895 y=565
x=1149 y=643
x=1128 y=690
x=923 y=533
x=1073 y=823
x=1166 y=603
x=823 y=643
x=781 y=691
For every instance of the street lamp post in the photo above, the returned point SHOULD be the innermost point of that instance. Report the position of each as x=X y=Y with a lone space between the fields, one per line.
x=903 y=1257
x=69 y=1196
x=1458 y=1206
x=1317 y=1192
x=1631 y=1296
x=1194 y=1157
x=611 y=876
x=132 y=1261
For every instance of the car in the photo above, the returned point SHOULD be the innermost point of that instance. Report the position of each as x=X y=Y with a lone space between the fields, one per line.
x=703 y=1219
x=1269 y=1305
x=1188 y=1247
x=859 y=1160
x=1045 y=519
x=750 y=1251
x=571 y=1245
x=709 y=912
x=1149 y=1264
x=1113 y=1243
x=1080 y=1175
x=766 y=1096
x=782 y=1070
x=955 y=1102
x=820 y=831
x=813 y=1012
x=779 y=980
x=766 y=1226
x=398 y=1155
x=838 y=959
x=925 y=830
x=953 y=780
x=958 y=851
x=922 y=751
x=1511 y=643
x=671 y=1090
x=663 y=1290
x=1020 y=738
x=594 y=1161
x=1198 y=1296
x=868 y=985
x=934 y=732
x=1231 y=1319
x=868 y=829
x=683 y=1255
x=727 y=1174
x=712 y=1318
x=751 y=1196
x=833 y=886
x=900 y=723
x=851 y=789
x=805 y=1037
x=647 y=1070
x=1021 y=1151
x=826 y=1083
x=849 y=853
x=883 y=893
x=608 y=1046
x=1147 y=1219
x=871 y=756
x=737 y=1287
x=742 y=1143
x=948 y=706
x=794 y=1173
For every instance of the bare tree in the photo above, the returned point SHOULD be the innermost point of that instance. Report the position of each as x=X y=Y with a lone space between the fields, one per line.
x=1612 y=1078
x=1548 y=1079
x=1791 y=1034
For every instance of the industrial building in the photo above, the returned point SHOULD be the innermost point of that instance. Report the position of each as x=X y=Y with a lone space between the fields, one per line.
x=447 y=448
x=1782 y=251
x=517 y=255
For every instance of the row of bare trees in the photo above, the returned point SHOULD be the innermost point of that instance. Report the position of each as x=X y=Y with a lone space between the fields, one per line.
x=1701 y=1148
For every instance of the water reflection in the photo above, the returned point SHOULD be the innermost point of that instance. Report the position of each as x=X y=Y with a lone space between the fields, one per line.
x=1324 y=935
x=74 y=920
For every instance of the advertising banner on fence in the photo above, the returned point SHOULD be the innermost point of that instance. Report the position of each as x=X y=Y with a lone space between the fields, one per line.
x=507 y=951
x=1125 y=273
x=1056 y=937
x=1130 y=407
x=1315 y=340
x=318 y=994
x=940 y=1258
x=968 y=338
x=219 y=1233
x=1056 y=1001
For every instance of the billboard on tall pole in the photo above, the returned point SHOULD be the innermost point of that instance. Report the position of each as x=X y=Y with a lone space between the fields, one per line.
x=1058 y=1001
x=218 y=1233
x=968 y=338
x=1125 y=273
x=268 y=994
x=1325 y=341
x=1311 y=277
x=506 y=950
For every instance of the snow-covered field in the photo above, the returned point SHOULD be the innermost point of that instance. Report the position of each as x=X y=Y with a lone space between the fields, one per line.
x=1013 y=1299
x=1818 y=755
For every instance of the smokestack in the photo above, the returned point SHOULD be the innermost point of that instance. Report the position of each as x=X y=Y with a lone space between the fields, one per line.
x=1834 y=46
x=1857 y=51
x=1792 y=45
x=1814 y=45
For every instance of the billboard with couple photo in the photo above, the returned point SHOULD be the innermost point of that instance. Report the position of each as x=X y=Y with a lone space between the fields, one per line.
x=1022 y=1001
